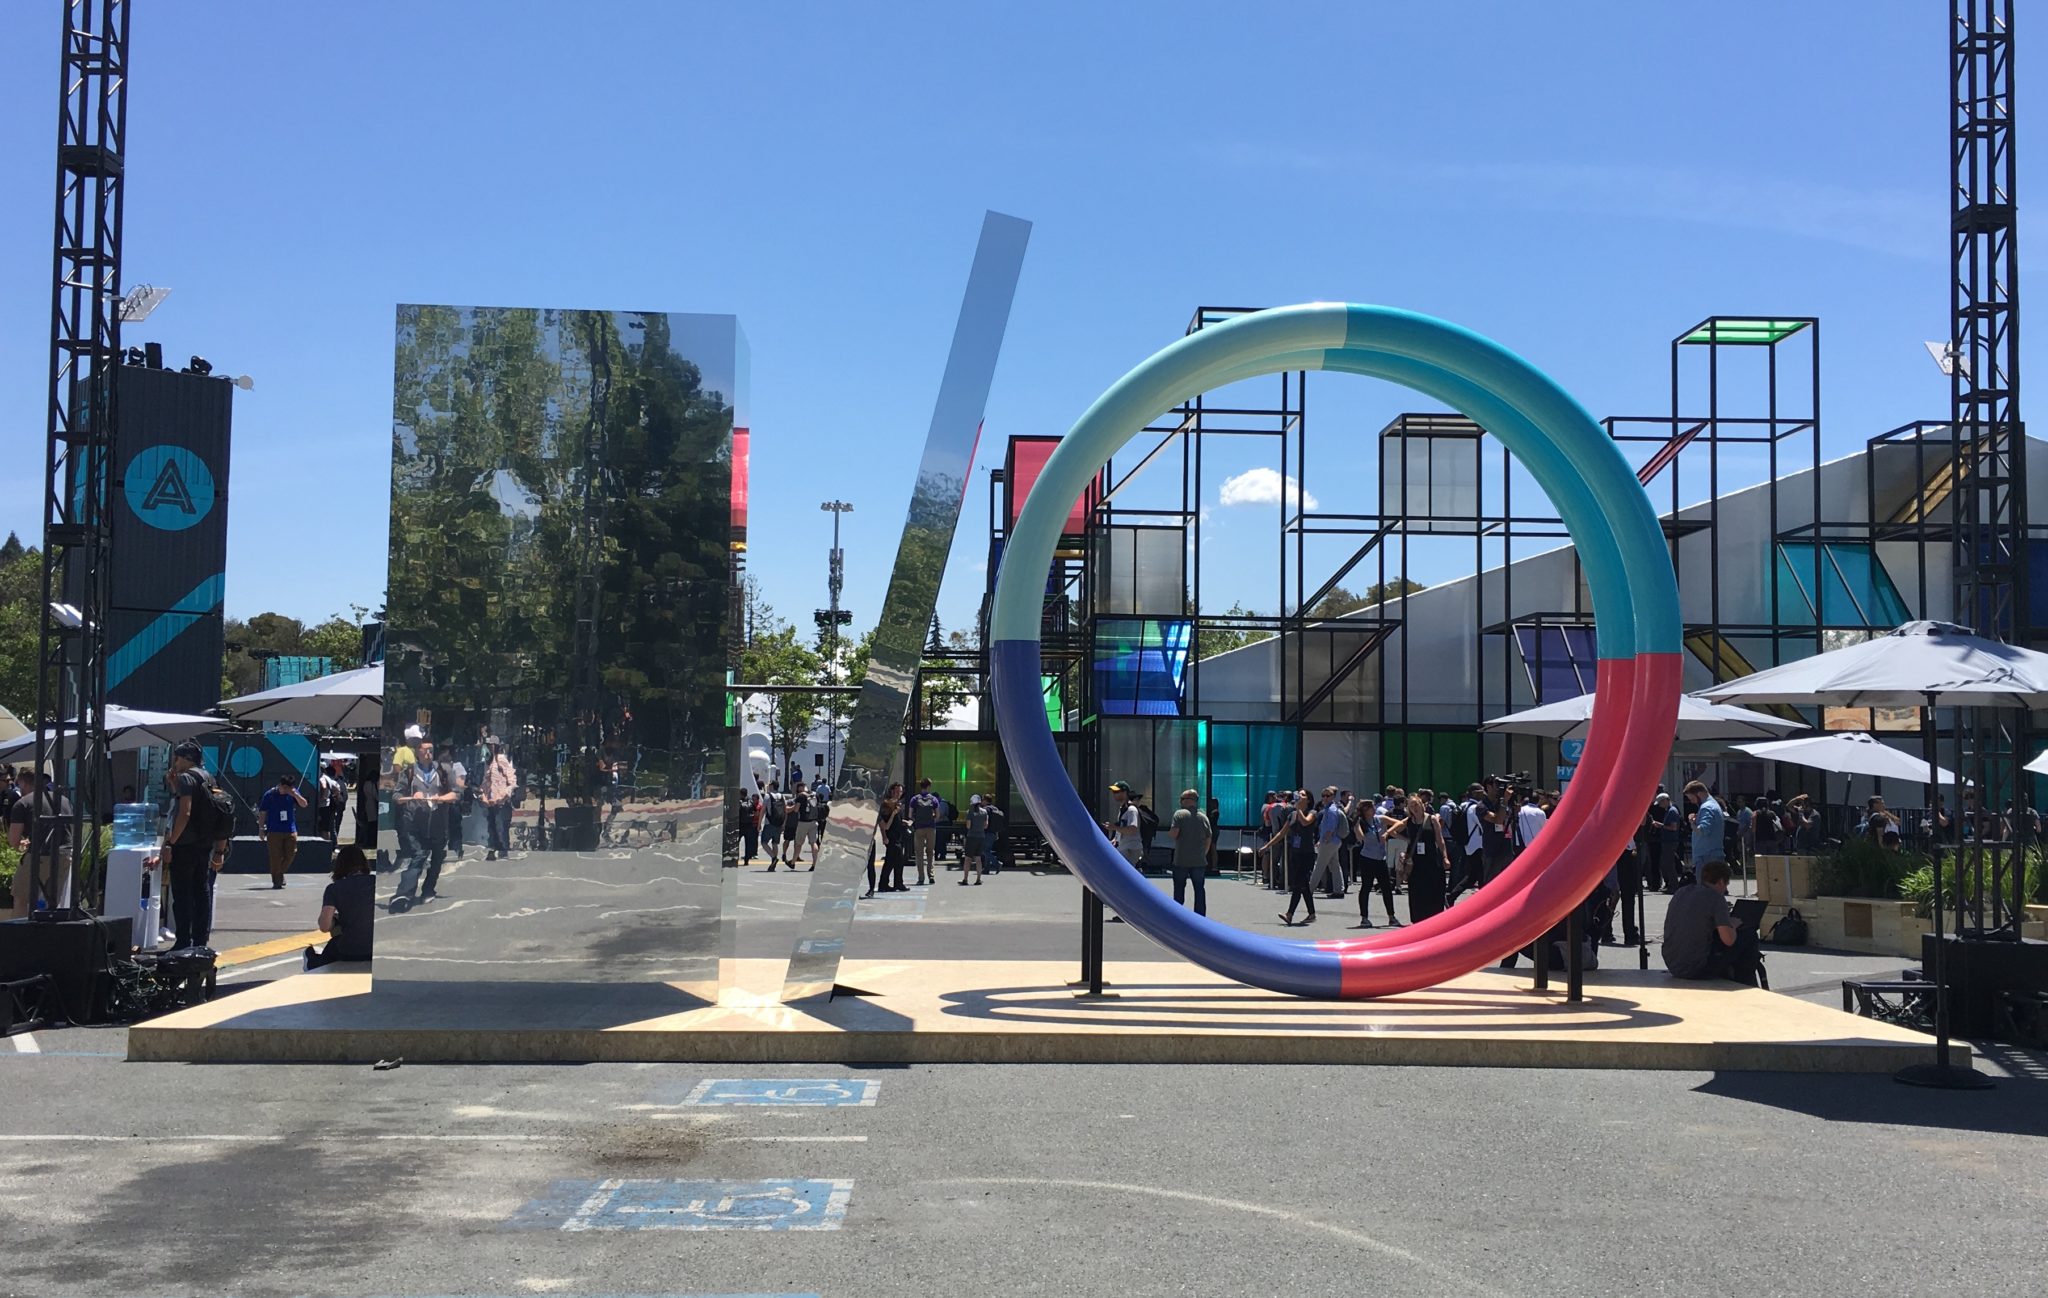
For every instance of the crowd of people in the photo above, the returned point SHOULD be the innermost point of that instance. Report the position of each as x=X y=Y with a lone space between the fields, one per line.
x=1434 y=847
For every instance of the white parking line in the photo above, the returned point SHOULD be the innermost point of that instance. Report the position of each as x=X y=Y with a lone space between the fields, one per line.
x=26 y=1044
x=792 y=1140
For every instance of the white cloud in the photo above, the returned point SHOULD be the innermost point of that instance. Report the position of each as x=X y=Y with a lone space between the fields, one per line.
x=1261 y=487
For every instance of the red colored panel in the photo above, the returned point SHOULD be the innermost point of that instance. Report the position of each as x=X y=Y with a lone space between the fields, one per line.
x=1027 y=460
x=741 y=441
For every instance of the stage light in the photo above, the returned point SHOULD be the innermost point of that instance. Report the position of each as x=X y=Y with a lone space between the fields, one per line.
x=200 y=366
x=66 y=616
x=134 y=356
x=1949 y=358
x=139 y=301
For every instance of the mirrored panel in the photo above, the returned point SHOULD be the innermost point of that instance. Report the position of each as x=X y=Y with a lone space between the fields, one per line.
x=562 y=563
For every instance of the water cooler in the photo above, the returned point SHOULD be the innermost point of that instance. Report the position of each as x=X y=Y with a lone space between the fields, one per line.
x=134 y=893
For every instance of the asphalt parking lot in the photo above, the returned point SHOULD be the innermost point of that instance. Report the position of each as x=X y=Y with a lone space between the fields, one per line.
x=179 y=1181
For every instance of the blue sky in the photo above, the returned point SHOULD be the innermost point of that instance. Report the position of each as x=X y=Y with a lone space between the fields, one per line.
x=1580 y=181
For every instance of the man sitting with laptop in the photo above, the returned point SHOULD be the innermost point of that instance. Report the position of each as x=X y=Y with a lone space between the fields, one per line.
x=1703 y=938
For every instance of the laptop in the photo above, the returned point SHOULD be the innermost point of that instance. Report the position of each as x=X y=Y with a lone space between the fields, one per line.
x=1749 y=913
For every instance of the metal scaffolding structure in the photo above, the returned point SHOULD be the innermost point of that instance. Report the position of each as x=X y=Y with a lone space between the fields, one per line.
x=85 y=349
x=1991 y=535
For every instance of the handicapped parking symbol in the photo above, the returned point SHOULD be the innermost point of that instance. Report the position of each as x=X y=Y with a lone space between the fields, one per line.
x=802 y=1091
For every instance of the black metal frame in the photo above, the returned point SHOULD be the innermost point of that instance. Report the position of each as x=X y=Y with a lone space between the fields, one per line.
x=85 y=348
x=1991 y=531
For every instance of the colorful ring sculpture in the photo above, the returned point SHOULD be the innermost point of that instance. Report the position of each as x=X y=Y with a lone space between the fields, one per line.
x=1635 y=610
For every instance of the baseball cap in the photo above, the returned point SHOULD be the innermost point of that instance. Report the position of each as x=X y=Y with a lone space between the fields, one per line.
x=414 y=732
x=1121 y=786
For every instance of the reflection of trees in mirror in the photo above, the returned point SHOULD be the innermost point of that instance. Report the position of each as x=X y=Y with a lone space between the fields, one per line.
x=497 y=440
x=775 y=656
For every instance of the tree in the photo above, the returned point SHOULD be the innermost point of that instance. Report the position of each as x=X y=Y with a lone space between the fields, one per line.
x=1341 y=601
x=945 y=694
x=776 y=656
x=21 y=587
x=1211 y=639
x=1382 y=592
x=265 y=635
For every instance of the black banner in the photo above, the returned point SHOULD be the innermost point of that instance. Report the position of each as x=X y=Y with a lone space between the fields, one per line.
x=170 y=540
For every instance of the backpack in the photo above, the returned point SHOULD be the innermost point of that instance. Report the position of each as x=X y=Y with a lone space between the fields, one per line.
x=215 y=812
x=773 y=803
x=1148 y=821
x=1460 y=826
x=1789 y=931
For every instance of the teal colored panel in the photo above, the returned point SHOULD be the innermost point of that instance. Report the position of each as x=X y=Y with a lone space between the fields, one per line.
x=1855 y=590
x=1794 y=574
x=1245 y=760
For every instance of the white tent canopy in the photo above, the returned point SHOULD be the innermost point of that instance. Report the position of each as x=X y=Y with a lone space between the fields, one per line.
x=1698 y=720
x=1847 y=754
x=127 y=730
x=351 y=700
x=1920 y=664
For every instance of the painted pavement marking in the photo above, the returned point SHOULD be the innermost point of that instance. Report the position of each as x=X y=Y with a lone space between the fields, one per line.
x=811 y=1092
x=622 y=1204
x=25 y=1043
x=892 y=908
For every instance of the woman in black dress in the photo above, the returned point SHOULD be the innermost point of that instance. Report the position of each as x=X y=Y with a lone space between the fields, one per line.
x=1298 y=833
x=1428 y=867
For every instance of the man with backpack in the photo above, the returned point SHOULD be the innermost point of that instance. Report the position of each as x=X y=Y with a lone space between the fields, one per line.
x=1126 y=827
x=991 y=858
x=924 y=831
x=196 y=845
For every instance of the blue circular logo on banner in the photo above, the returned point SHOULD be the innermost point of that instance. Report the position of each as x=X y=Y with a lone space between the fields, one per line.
x=169 y=488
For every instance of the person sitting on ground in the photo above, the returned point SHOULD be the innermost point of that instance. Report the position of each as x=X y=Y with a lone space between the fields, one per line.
x=346 y=909
x=1702 y=939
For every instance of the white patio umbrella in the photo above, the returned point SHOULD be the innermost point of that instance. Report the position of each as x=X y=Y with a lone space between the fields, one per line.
x=1847 y=754
x=351 y=700
x=127 y=730
x=1698 y=720
x=1926 y=665
x=2039 y=765
x=1921 y=664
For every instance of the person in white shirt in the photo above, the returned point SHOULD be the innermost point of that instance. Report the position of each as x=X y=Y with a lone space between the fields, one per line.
x=1125 y=825
x=1529 y=821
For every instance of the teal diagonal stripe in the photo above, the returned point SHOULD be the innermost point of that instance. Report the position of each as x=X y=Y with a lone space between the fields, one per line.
x=150 y=640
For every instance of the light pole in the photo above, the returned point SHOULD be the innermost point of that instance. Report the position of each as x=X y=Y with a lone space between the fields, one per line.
x=829 y=620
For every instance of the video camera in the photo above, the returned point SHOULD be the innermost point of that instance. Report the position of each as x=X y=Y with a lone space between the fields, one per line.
x=1520 y=785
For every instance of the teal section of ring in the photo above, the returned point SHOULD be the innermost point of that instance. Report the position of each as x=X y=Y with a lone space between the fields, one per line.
x=1635 y=596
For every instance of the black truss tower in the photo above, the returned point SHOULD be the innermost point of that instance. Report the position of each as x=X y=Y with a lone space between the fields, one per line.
x=1991 y=533
x=85 y=347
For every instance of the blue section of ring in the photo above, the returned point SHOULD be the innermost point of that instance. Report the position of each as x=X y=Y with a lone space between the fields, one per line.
x=1267 y=962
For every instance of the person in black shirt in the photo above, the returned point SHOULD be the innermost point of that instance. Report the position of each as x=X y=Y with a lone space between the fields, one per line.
x=347 y=910
x=196 y=847
x=39 y=827
x=422 y=792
